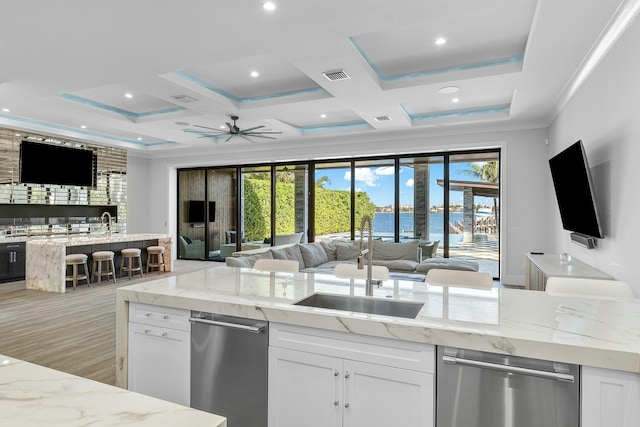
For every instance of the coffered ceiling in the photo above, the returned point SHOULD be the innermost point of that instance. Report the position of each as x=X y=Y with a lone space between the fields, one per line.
x=145 y=74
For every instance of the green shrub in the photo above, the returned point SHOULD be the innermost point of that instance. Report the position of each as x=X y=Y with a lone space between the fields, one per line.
x=332 y=209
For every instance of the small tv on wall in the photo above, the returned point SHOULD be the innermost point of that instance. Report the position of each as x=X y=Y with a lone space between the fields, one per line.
x=195 y=211
x=575 y=192
x=42 y=163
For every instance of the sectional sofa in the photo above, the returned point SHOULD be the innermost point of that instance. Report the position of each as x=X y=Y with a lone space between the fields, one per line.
x=402 y=259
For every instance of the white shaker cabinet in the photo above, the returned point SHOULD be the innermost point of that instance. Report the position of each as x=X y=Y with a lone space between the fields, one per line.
x=160 y=352
x=610 y=398
x=324 y=378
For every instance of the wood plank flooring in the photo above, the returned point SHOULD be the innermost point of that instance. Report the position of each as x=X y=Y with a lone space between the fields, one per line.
x=72 y=332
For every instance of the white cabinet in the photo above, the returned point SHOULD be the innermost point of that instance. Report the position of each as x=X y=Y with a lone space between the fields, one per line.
x=160 y=352
x=610 y=398
x=324 y=378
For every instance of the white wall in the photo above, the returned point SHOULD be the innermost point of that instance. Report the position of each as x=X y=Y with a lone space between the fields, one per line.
x=605 y=114
x=137 y=194
x=523 y=187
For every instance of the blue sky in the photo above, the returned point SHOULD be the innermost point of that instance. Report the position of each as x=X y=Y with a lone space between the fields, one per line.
x=378 y=183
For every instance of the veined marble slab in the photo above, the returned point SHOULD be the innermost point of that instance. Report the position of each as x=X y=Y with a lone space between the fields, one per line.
x=45 y=264
x=32 y=395
x=586 y=331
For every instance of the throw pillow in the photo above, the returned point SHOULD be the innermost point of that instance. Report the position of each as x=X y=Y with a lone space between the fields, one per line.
x=349 y=252
x=395 y=251
x=187 y=239
x=313 y=254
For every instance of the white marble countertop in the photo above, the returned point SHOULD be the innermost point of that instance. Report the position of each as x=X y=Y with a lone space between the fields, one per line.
x=89 y=239
x=32 y=395
x=601 y=333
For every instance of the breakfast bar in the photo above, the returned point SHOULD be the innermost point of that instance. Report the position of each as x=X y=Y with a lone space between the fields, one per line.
x=45 y=261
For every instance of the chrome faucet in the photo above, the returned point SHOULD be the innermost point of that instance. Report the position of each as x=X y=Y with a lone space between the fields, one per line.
x=368 y=252
x=108 y=215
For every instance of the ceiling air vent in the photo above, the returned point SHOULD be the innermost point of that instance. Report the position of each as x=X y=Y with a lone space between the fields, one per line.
x=185 y=99
x=336 y=75
x=382 y=118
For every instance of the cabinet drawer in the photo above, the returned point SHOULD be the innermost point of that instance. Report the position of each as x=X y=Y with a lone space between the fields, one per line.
x=383 y=351
x=155 y=315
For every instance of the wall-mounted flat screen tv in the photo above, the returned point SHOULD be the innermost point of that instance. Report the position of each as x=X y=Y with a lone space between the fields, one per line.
x=55 y=164
x=575 y=192
x=195 y=211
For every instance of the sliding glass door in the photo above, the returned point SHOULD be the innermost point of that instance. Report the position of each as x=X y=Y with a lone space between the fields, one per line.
x=449 y=202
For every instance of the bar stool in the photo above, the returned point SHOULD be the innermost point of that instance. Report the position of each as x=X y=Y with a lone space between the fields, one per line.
x=128 y=264
x=155 y=258
x=75 y=260
x=107 y=258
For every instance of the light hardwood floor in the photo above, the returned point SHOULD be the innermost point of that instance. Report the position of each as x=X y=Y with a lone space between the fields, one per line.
x=72 y=332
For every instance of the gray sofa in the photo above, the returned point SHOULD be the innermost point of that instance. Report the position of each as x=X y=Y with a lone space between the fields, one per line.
x=402 y=259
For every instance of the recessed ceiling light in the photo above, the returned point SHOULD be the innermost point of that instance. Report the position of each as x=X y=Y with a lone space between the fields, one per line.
x=455 y=100
x=254 y=74
x=83 y=127
x=449 y=89
x=6 y=110
x=128 y=95
x=440 y=41
x=223 y=127
x=139 y=139
x=323 y=115
x=269 y=5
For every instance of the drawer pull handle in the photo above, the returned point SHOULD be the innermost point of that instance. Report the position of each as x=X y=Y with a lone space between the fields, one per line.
x=157 y=334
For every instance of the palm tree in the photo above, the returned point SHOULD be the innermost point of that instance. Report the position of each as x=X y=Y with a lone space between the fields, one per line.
x=320 y=182
x=487 y=172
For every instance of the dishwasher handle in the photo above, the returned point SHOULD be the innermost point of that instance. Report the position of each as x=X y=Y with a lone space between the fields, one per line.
x=506 y=368
x=256 y=329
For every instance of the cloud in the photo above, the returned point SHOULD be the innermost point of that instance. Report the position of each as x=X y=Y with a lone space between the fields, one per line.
x=364 y=175
x=409 y=182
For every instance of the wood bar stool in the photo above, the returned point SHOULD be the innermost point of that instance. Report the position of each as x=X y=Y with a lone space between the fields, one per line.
x=75 y=260
x=155 y=258
x=131 y=257
x=105 y=257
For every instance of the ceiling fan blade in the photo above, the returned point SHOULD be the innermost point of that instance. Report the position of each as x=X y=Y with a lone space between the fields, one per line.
x=261 y=136
x=253 y=128
x=263 y=133
x=231 y=129
x=205 y=127
x=244 y=137
x=227 y=140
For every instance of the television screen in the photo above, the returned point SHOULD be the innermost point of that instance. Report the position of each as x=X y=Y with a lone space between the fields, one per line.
x=195 y=212
x=574 y=191
x=55 y=164
x=212 y=211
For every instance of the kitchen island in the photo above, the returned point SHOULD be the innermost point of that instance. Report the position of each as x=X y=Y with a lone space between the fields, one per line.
x=33 y=395
x=355 y=357
x=598 y=333
x=45 y=262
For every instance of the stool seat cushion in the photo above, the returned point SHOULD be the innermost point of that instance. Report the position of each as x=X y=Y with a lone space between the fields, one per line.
x=130 y=252
x=155 y=249
x=73 y=258
x=103 y=254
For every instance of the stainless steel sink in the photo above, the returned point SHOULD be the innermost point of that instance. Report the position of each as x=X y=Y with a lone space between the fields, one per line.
x=363 y=305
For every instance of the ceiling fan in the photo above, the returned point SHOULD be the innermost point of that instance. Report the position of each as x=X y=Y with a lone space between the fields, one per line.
x=231 y=131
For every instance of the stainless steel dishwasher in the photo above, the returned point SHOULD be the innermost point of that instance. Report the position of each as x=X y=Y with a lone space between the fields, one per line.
x=229 y=358
x=479 y=389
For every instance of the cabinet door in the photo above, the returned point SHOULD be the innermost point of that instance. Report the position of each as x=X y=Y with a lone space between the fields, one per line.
x=159 y=362
x=304 y=389
x=376 y=395
x=610 y=398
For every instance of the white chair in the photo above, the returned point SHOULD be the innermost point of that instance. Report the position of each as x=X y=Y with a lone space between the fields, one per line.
x=277 y=265
x=351 y=271
x=467 y=279
x=590 y=288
